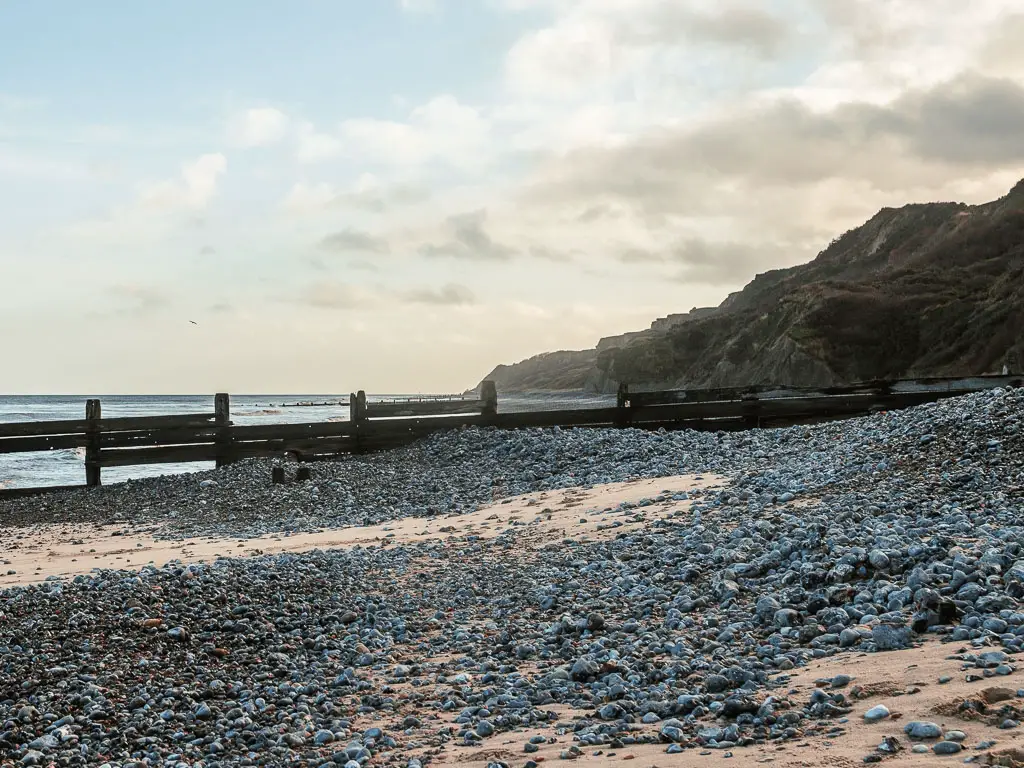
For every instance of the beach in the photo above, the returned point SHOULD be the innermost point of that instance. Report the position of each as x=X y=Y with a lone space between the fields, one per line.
x=814 y=596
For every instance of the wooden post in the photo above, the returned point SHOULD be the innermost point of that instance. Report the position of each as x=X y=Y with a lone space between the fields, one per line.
x=222 y=413
x=357 y=415
x=622 y=403
x=751 y=411
x=277 y=475
x=489 y=398
x=93 y=414
x=302 y=474
x=622 y=400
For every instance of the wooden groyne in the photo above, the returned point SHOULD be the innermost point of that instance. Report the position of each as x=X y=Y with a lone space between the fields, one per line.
x=375 y=426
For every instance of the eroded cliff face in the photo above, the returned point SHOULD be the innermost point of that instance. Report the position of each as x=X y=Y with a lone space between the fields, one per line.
x=575 y=370
x=923 y=290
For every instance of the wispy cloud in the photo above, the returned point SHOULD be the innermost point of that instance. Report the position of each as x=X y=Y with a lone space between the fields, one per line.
x=468 y=239
x=352 y=240
x=258 y=127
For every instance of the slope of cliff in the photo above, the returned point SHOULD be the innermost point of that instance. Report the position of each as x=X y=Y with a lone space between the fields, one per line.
x=923 y=290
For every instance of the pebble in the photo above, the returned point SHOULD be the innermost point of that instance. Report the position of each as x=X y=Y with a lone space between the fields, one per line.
x=918 y=729
x=876 y=713
x=946 y=748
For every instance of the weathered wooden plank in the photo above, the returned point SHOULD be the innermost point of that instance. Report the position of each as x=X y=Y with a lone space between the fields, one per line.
x=119 y=424
x=42 y=443
x=439 y=407
x=961 y=385
x=728 y=394
x=165 y=454
x=142 y=438
x=293 y=431
x=274 y=448
x=17 y=493
x=957 y=386
x=421 y=425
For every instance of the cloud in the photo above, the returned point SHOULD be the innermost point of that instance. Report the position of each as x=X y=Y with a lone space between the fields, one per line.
x=338 y=295
x=367 y=194
x=718 y=263
x=968 y=125
x=373 y=197
x=314 y=146
x=672 y=22
x=349 y=296
x=441 y=130
x=1001 y=52
x=596 y=43
x=452 y=295
x=258 y=127
x=193 y=189
x=132 y=298
x=159 y=206
x=350 y=240
x=469 y=240
x=304 y=197
x=547 y=253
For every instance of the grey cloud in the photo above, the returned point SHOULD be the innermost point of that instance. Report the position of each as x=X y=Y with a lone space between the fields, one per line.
x=452 y=295
x=352 y=240
x=973 y=121
x=220 y=307
x=469 y=240
x=640 y=256
x=595 y=213
x=969 y=124
x=349 y=296
x=724 y=263
x=383 y=200
x=695 y=260
x=207 y=250
x=363 y=266
x=756 y=30
x=546 y=253
x=1002 y=52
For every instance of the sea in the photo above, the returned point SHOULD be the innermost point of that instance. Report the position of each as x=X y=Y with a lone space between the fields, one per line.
x=67 y=467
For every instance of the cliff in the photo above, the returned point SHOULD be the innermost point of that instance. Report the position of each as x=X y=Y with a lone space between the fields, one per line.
x=924 y=290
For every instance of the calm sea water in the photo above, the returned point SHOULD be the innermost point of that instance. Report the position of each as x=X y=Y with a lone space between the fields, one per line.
x=20 y=470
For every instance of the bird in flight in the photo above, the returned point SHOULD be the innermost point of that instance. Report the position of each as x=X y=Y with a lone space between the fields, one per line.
x=193 y=322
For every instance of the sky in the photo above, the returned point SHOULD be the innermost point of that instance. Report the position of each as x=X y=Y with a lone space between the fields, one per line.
x=397 y=195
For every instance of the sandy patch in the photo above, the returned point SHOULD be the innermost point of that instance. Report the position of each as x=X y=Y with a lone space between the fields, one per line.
x=908 y=685
x=36 y=552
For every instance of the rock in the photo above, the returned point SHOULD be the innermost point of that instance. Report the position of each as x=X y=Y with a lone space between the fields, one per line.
x=716 y=683
x=890 y=638
x=484 y=729
x=876 y=713
x=946 y=748
x=918 y=729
